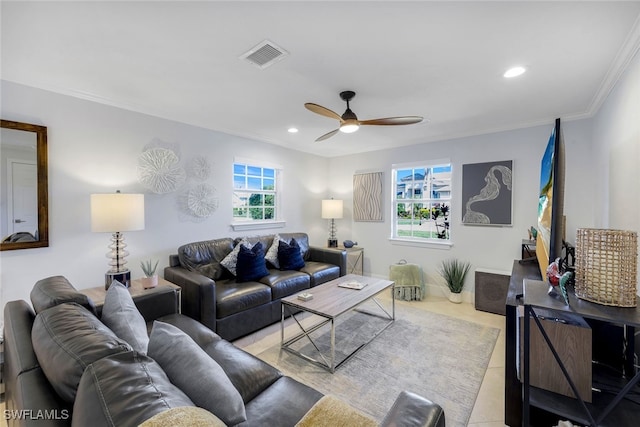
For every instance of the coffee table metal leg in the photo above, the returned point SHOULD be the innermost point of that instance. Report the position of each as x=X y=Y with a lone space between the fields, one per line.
x=333 y=346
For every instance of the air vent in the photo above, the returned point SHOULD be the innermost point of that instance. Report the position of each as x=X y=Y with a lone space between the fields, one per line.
x=265 y=54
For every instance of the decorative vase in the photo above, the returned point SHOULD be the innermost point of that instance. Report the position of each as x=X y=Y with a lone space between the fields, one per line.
x=149 y=282
x=455 y=297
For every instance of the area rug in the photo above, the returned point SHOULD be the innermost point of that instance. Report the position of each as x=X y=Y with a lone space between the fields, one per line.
x=439 y=357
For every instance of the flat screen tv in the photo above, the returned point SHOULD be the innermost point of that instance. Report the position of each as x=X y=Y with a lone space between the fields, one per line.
x=551 y=202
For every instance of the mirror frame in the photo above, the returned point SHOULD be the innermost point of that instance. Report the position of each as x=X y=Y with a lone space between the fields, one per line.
x=43 y=185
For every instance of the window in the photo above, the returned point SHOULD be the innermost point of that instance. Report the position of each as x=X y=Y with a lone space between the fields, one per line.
x=255 y=193
x=421 y=201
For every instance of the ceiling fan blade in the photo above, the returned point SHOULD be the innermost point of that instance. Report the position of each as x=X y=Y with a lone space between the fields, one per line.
x=327 y=135
x=319 y=109
x=393 y=121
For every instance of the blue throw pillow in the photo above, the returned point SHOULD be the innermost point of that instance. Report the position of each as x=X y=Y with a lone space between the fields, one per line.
x=289 y=255
x=251 y=264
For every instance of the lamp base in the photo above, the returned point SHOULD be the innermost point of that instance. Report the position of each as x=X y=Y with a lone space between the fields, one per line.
x=123 y=277
x=332 y=243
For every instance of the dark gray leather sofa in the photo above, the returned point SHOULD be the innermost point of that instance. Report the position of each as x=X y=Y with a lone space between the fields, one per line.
x=270 y=398
x=212 y=296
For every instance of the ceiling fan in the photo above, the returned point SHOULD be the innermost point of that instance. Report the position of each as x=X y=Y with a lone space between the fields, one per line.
x=349 y=121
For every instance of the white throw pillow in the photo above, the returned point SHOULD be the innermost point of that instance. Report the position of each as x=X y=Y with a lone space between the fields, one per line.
x=194 y=372
x=121 y=315
x=272 y=253
x=229 y=262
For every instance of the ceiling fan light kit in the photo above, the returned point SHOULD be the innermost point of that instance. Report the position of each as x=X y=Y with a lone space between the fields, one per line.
x=349 y=122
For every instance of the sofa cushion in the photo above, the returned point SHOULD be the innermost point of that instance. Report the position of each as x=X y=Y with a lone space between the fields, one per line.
x=195 y=373
x=204 y=257
x=185 y=416
x=232 y=297
x=66 y=339
x=250 y=375
x=124 y=390
x=272 y=253
x=320 y=272
x=285 y=283
x=56 y=290
x=120 y=314
x=231 y=260
x=251 y=264
x=289 y=255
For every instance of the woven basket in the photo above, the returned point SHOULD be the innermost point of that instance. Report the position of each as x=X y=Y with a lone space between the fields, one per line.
x=606 y=266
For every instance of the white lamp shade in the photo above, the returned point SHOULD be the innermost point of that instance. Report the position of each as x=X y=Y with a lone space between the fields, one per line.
x=115 y=212
x=331 y=209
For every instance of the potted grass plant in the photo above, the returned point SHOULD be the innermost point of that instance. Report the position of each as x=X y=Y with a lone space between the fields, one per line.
x=454 y=273
x=149 y=269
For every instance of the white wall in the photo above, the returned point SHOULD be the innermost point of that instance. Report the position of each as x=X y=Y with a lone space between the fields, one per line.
x=616 y=139
x=94 y=148
x=485 y=247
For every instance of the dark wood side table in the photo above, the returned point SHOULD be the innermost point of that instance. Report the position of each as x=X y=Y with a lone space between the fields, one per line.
x=136 y=290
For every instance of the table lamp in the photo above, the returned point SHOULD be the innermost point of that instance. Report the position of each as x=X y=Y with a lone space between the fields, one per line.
x=332 y=210
x=115 y=213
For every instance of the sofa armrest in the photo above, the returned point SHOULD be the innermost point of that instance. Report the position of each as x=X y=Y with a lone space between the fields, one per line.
x=157 y=302
x=329 y=255
x=411 y=410
x=198 y=294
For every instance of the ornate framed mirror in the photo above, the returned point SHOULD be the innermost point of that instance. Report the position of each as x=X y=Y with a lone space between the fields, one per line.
x=24 y=195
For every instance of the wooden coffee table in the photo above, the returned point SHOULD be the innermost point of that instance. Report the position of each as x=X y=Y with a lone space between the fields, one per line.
x=331 y=301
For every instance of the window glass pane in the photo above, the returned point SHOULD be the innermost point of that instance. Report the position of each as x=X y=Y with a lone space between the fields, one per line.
x=256 y=213
x=428 y=191
x=238 y=182
x=254 y=183
x=255 y=199
x=268 y=184
x=239 y=200
x=269 y=213
x=260 y=187
x=254 y=171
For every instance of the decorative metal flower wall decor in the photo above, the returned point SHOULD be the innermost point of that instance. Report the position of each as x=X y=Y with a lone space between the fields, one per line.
x=159 y=170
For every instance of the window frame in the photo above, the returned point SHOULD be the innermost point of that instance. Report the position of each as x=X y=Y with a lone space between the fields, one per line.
x=240 y=224
x=395 y=201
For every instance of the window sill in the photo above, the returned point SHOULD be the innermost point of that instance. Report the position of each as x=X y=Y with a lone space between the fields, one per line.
x=433 y=244
x=250 y=225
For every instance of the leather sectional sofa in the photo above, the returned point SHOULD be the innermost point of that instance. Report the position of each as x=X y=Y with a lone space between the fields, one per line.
x=212 y=295
x=65 y=367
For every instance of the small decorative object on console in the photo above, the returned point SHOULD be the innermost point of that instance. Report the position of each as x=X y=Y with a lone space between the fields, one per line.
x=558 y=280
x=349 y=243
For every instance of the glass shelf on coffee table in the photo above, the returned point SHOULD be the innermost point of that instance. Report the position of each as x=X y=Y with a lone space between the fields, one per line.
x=330 y=301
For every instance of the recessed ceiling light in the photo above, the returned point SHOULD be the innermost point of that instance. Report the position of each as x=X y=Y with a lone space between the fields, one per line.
x=514 y=72
x=292 y=130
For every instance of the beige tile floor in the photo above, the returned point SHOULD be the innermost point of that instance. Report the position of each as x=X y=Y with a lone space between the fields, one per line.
x=489 y=407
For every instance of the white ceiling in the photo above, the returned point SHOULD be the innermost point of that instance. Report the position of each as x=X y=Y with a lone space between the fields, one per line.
x=439 y=59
